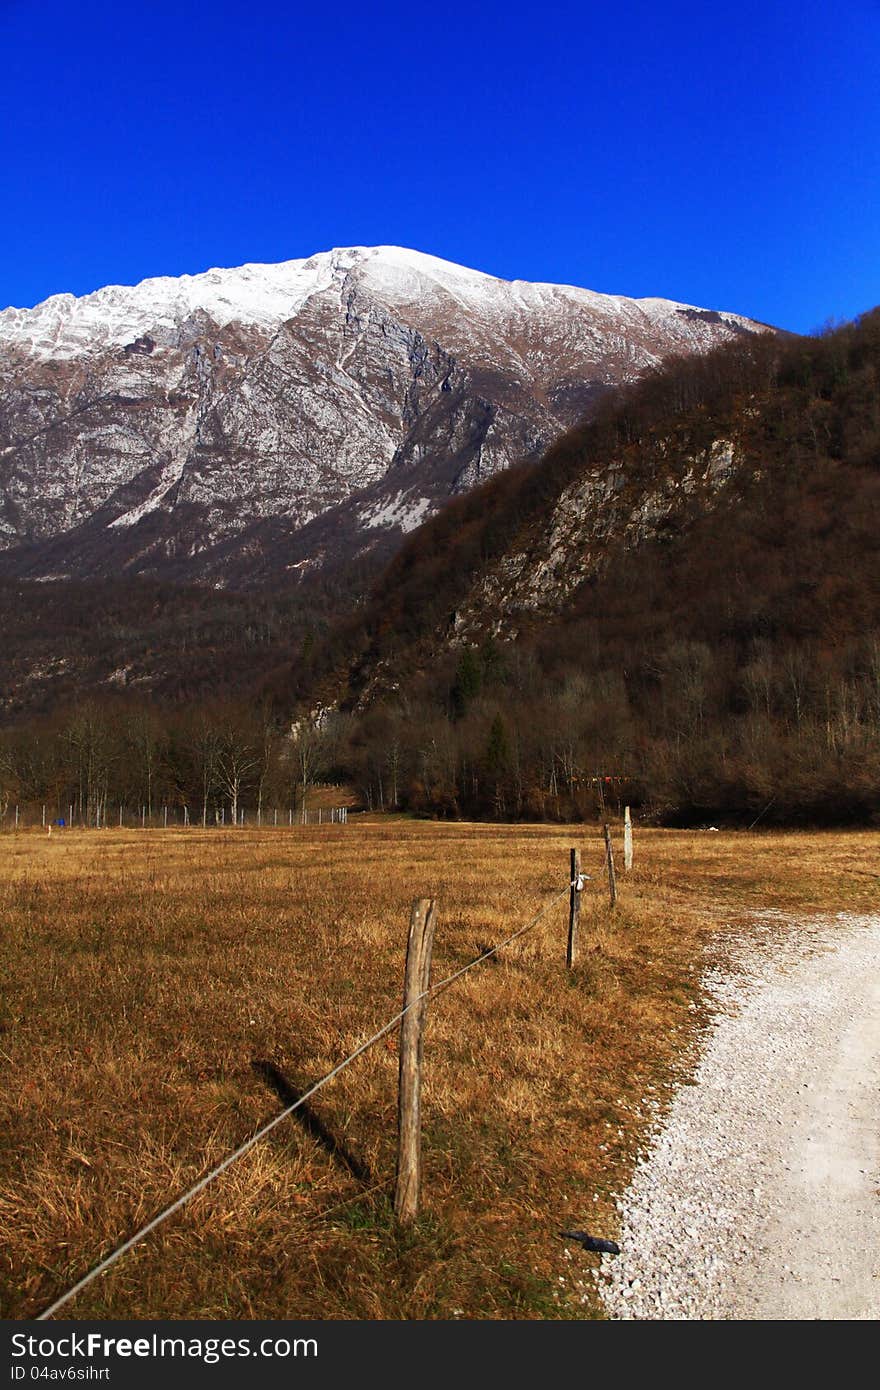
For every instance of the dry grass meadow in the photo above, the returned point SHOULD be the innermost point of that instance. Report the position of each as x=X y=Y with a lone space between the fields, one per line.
x=150 y=979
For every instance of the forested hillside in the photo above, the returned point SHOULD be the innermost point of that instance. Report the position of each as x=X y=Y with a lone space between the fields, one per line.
x=684 y=594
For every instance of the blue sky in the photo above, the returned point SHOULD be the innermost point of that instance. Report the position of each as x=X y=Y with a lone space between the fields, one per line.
x=726 y=156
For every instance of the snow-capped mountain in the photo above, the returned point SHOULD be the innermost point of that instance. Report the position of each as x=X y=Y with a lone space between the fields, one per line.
x=221 y=425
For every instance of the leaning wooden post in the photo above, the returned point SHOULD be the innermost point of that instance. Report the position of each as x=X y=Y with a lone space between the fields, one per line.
x=574 y=909
x=627 y=840
x=418 y=973
x=609 y=860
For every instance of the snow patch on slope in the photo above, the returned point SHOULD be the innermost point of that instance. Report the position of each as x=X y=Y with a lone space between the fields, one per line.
x=407 y=515
x=171 y=473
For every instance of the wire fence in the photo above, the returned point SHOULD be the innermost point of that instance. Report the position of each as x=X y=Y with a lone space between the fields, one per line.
x=439 y=987
x=104 y=816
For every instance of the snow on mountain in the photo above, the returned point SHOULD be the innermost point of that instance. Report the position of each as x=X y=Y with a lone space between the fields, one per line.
x=267 y=295
x=64 y=326
x=144 y=426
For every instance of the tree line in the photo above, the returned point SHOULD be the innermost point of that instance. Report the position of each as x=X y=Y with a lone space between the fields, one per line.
x=206 y=764
x=689 y=734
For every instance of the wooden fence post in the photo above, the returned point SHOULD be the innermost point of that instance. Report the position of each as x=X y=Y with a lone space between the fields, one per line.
x=609 y=860
x=627 y=840
x=574 y=909
x=409 y=1139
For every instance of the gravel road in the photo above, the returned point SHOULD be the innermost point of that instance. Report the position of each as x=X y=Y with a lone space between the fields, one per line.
x=758 y=1197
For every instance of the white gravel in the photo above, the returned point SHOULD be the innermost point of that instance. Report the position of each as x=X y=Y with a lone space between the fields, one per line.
x=758 y=1197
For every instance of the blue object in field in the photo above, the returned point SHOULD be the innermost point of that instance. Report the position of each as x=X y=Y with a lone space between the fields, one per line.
x=60 y=822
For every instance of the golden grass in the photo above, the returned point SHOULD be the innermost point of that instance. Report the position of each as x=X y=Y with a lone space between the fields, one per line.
x=145 y=973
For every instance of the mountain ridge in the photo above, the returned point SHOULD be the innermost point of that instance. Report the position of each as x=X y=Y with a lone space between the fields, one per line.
x=268 y=292
x=140 y=434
